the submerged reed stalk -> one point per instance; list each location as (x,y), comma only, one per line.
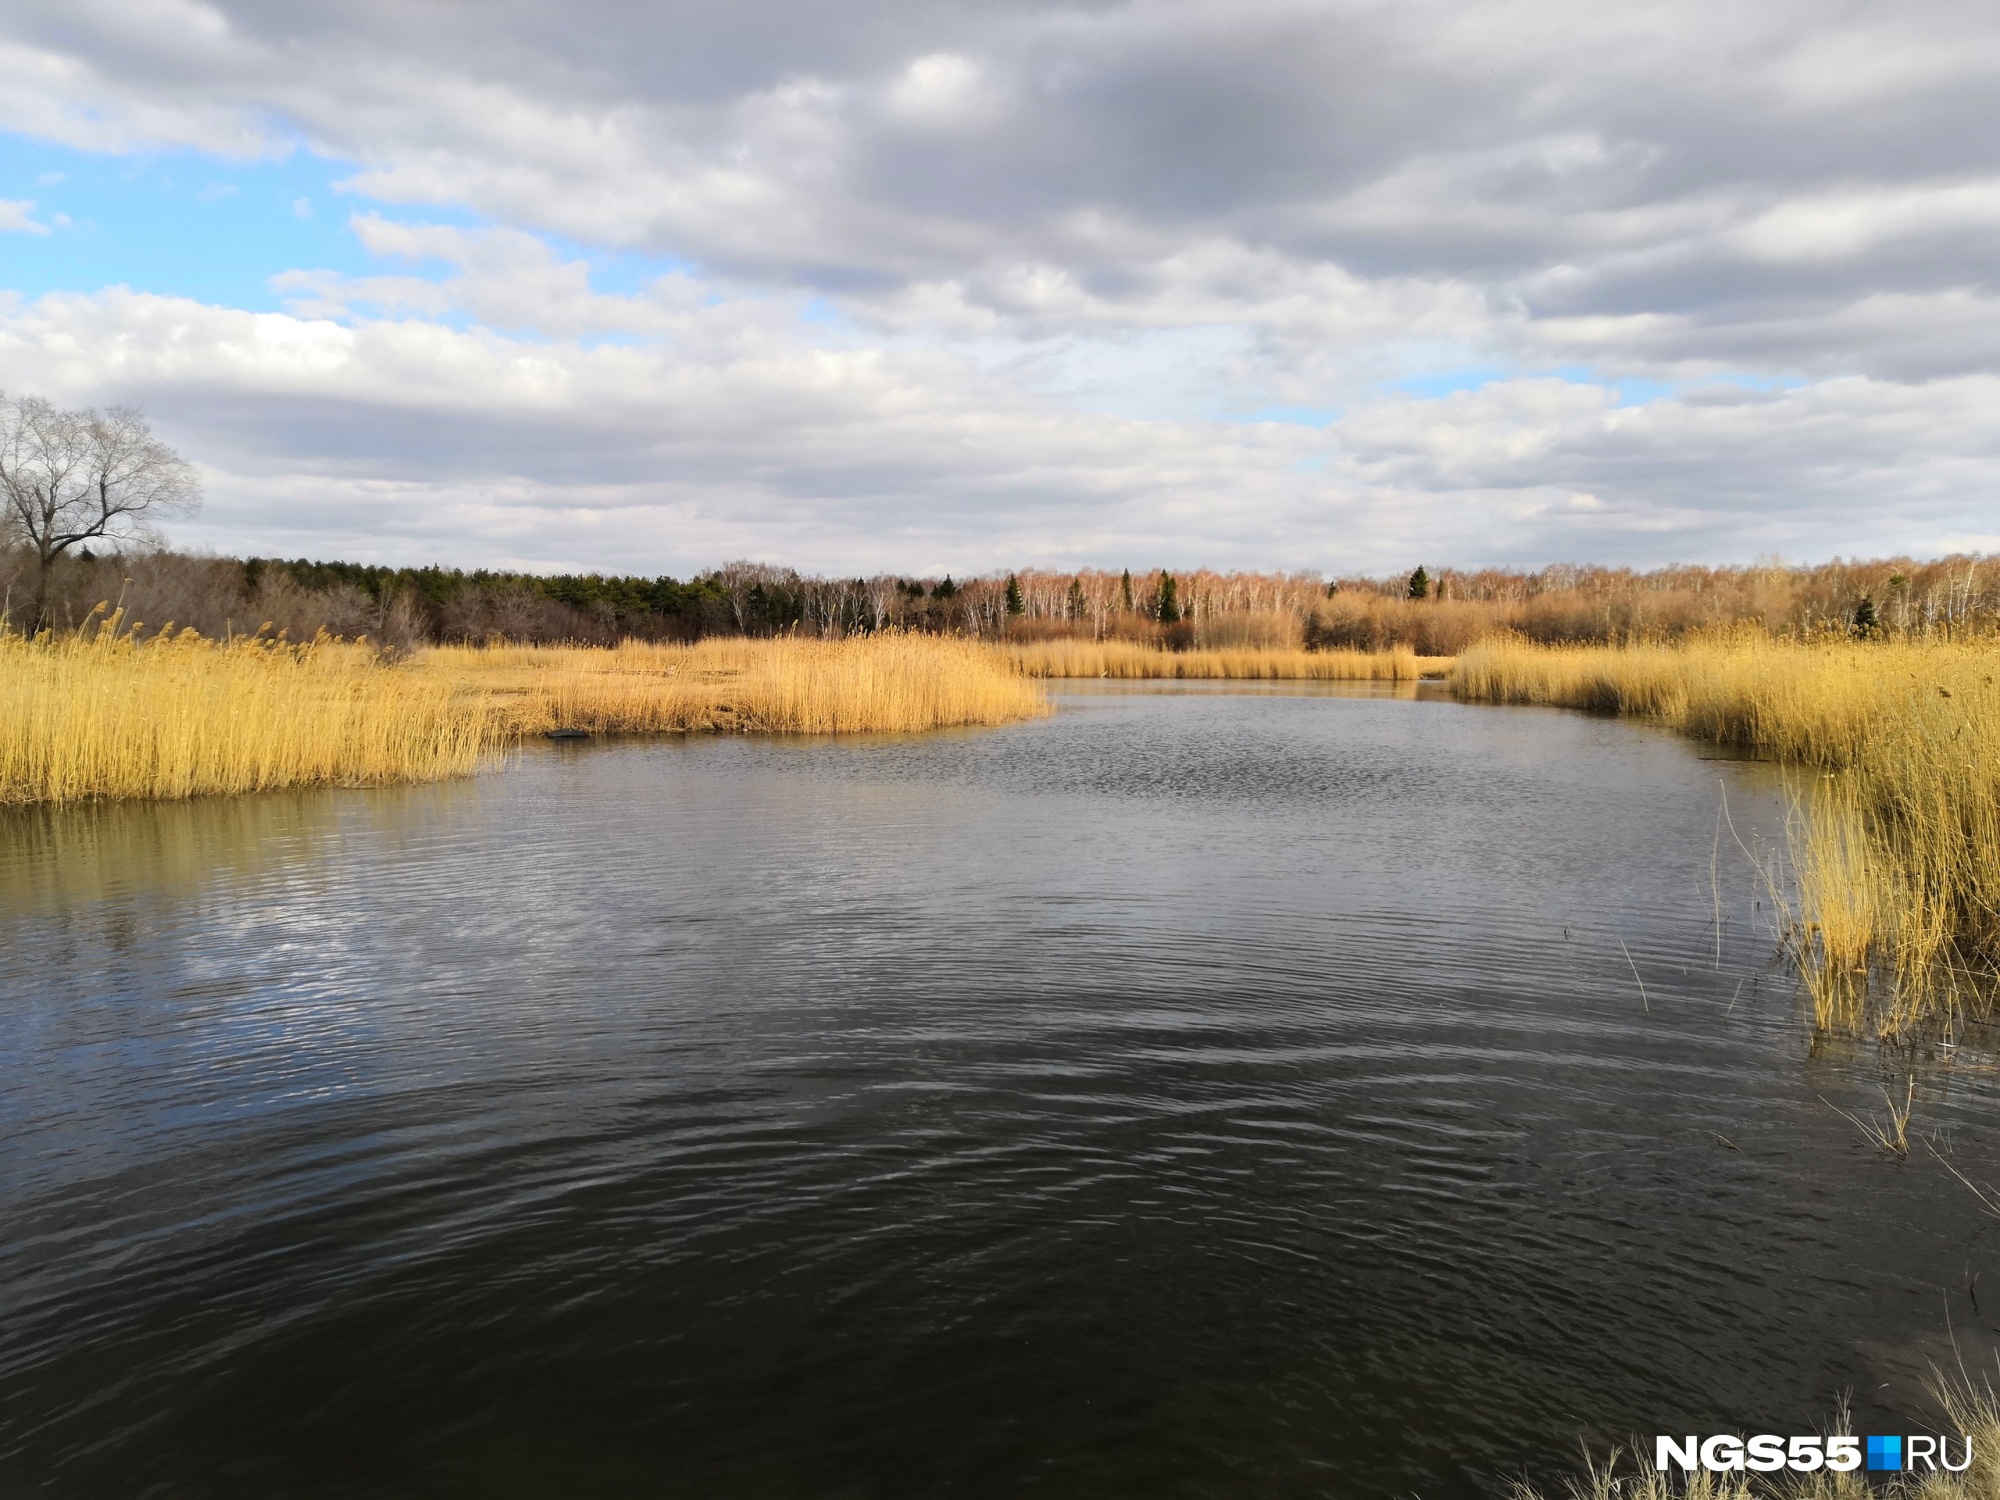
(1896,829)
(1129,659)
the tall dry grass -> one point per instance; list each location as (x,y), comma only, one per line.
(889,683)
(1896,827)
(1131,659)
(1967,1406)
(102,714)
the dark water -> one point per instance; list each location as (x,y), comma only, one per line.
(1194,1094)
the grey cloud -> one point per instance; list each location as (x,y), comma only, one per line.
(412,440)
(1484,140)
(1043,221)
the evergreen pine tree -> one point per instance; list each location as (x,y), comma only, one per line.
(1169,603)
(1866,619)
(1015,604)
(1420,584)
(1078,605)
(1125,590)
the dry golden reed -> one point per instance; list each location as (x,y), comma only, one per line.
(102,714)
(1896,828)
(1129,659)
(888,683)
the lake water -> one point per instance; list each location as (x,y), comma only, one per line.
(1196,1093)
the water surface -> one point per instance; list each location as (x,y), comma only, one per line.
(1198,1093)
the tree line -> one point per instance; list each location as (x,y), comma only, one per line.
(409,606)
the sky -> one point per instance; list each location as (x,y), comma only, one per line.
(929,285)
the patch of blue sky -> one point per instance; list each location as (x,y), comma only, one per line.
(1639,392)
(591,341)
(1437,384)
(1750,382)
(1630,390)
(613,273)
(177,223)
(1297,416)
(186,223)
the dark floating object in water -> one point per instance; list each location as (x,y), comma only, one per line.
(569,734)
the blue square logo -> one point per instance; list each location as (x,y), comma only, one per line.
(1885,1453)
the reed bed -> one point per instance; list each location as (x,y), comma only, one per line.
(1896,828)
(1130,659)
(103,714)
(889,683)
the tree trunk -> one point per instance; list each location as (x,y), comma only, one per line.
(45,562)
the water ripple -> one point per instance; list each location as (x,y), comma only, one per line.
(1192,1094)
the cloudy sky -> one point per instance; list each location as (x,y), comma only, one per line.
(930,284)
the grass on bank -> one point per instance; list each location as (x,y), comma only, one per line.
(1968,1409)
(1131,659)
(1896,832)
(103,714)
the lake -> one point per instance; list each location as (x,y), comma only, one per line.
(1201,1092)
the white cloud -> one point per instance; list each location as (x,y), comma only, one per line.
(503,278)
(945,91)
(1847,225)
(14,217)
(1053,250)
(738,433)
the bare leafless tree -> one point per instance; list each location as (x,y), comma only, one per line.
(68,477)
